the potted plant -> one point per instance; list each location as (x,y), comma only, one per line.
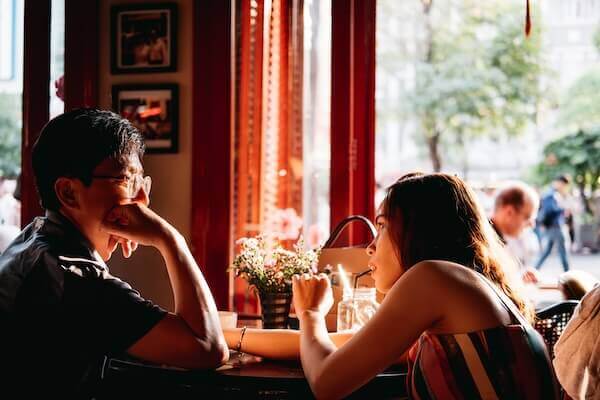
(269,268)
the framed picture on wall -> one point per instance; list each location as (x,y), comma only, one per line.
(153,109)
(144,38)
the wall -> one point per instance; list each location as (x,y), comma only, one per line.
(171,173)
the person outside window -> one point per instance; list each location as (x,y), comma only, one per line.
(552,218)
(514,213)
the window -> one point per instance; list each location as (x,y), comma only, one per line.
(57,57)
(316,119)
(460,89)
(11,88)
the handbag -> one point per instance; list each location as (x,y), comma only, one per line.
(353,259)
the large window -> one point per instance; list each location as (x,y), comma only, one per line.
(11,88)
(316,119)
(57,57)
(461,89)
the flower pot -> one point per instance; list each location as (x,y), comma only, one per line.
(275,309)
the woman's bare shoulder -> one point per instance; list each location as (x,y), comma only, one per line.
(445,275)
(443,270)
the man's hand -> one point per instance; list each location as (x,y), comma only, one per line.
(530,275)
(127,246)
(312,293)
(135,223)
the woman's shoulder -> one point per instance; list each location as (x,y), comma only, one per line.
(450,278)
(445,270)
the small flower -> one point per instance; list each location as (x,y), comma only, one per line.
(269,267)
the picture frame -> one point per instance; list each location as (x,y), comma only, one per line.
(143,38)
(154,110)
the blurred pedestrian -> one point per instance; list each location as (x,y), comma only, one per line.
(514,212)
(552,219)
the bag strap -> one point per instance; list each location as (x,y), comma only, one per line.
(344,223)
(508,303)
(536,343)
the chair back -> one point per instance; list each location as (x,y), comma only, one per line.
(552,320)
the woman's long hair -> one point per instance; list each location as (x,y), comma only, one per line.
(437,217)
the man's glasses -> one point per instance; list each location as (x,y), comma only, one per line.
(133,183)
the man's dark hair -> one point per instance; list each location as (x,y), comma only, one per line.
(563,179)
(74,143)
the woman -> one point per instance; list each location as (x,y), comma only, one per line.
(447,301)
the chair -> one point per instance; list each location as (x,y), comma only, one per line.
(574,284)
(552,320)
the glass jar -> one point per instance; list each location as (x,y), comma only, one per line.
(356,308)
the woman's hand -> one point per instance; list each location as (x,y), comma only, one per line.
(312,293)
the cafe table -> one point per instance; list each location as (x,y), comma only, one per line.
(243,377)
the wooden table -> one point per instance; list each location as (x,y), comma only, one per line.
(247,377)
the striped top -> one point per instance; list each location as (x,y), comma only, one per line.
(496,363)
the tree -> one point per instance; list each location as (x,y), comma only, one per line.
(478,76)
(579,108)
(578,155)
(10,136)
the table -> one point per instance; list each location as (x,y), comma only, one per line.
(247,377)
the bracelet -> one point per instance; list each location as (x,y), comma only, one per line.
(238,348)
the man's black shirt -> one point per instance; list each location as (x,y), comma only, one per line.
(61,312)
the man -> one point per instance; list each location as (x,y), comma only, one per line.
(515,210)
(552,218)
(61,311)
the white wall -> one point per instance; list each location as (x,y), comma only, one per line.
(171,173)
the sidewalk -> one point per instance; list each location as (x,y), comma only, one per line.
(552,267)
(550,271)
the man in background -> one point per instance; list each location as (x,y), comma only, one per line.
(514,211)
(552,219)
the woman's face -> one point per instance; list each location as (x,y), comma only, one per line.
(384,263)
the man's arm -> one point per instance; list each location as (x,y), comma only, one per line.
(191,337)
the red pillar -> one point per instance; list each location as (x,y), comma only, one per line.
(353,114)
(36,94)
(212,163)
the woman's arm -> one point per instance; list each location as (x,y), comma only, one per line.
(412,306)
(278,344)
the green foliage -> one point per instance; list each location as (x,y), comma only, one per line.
(10,135)
(580,107)
(577,155)
(481,76)
(597,38)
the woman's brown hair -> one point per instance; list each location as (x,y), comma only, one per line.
(437,217)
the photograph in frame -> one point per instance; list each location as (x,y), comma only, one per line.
(144,38)
(153,109)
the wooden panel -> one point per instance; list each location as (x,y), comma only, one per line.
(249,92)
(352,114)
(248,135)
(81,54)
(212,166)
(36,94)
